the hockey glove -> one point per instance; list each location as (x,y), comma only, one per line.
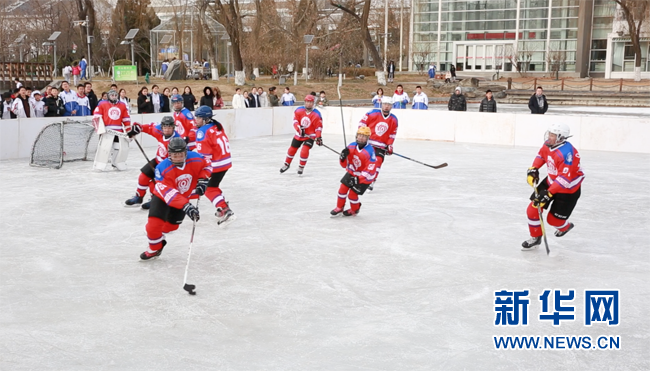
(533,176)
(135,130)
(302,132)
(191,211)
(344,154)
(542,200)
(319,141)
(353,182)
(201,186)
(389,149)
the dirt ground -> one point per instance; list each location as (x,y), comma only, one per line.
(352,88)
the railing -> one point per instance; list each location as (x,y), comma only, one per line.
(591,84)
(30,74)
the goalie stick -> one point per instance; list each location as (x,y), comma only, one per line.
(422,163)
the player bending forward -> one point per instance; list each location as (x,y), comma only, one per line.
(183,118)
(176,178)
(383,126)
(560,189)
(359,161)
(163,133)
(212,143)
(308,123)
(112,121)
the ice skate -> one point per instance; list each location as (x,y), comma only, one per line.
(135,200)
(147,205)
(284,168)
(146,255)
(300,169)
(351,212)
(371,186)
(560,233)
(224,216)
(531,244)
(336,212)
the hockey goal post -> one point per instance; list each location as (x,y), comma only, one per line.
(65,141)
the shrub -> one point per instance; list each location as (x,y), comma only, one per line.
(123,62)
(351,71)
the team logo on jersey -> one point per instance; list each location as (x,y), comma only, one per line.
(356,161)
(305,122)
(114,113)
(162,150)
(189,116)
(569,158)
(184,182)
(199,135)
(381,128)
(551,170)
(158,174)
(179,128)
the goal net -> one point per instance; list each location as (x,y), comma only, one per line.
(64,142)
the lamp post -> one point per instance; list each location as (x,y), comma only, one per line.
(89,40)
(51,41)
(307,39)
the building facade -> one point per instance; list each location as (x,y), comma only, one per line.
(581,37)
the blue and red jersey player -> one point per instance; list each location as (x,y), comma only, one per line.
(212,142)
(184,120)
(359,161)
(383,126)
(176,178)
(560,189)
(308,123)
(163,132)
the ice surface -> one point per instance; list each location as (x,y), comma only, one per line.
(406,285)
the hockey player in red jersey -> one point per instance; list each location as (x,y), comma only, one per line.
(184,120)
(176,177)
(111,118)
(163,133)
(359,160)
(212,143)
(560,189)
(308,123)
(383,126)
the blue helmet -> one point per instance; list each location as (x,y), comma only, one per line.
(203,112)
(177,98)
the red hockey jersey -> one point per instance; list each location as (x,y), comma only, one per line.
(361,163)
(156,132)
(312,122)
(114,115)
(563,167)
(174,185)
(213,144)
(383,129)
(184,122)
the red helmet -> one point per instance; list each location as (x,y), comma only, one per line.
(309,98)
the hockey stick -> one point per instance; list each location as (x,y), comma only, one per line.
(331,149)
(338,89)
(186,286)
(541,221)
(422,163)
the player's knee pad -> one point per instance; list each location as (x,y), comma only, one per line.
(103,153)
(169,227)
(555,221)
(304,152)
(532,212)
(121,154)
(154,227)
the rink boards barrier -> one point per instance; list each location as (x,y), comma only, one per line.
(602,133)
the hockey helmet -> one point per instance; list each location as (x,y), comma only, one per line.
(561,130)
(167,121)
(177,98)
(203,112)
(309,98)
(364,130)
(177,145)
(387,100)
(113,96)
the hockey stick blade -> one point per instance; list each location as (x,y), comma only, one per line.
(438,166)
(190,289)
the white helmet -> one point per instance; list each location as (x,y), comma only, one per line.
(386,100)
(561,130)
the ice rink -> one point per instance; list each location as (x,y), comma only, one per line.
(408,284)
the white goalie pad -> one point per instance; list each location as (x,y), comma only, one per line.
(110,153)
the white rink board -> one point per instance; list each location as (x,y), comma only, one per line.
(406,285)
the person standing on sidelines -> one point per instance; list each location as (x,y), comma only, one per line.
(212,142)
(420,100)
(488,104)
(308,123)
(358,159)
(537,103)
(82,65)
(560,189)
(376,100)
(287,99)
(457,101)
(400,98)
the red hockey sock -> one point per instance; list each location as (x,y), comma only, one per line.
(154,229)
(304,155)
(144,183)
(534,224)
(343,195)
(561,224)
(215,195)
(354,200)
(290,153)
(169,227)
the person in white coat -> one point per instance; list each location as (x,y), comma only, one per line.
(400,98)
(238,99)
(420,100)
